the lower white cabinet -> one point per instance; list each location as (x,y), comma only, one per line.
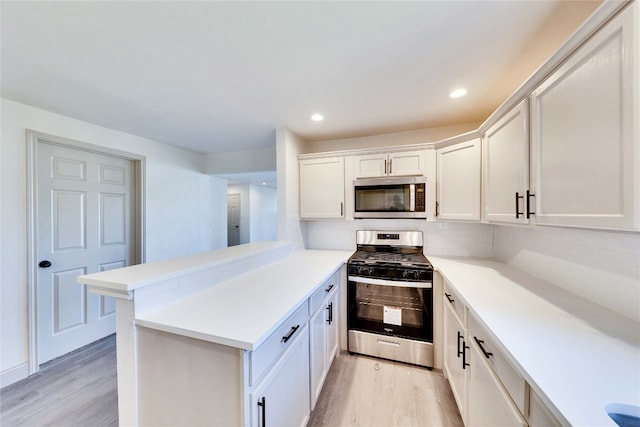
(282,397)
(455,351)
(323,340)
(489,404)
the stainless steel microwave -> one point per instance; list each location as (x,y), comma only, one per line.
(402,197)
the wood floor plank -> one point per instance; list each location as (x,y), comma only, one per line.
(78,389)
(364,391)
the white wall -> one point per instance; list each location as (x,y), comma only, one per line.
(444,239)
(258,212)
(290,228)
(182,209)
(420,136)
(264,213)
(601,266)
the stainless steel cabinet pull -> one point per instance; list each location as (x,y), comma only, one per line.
(485,352)
(518,197)
(290,334)
(263,404)
(529,196)
(330,314)
(465,347)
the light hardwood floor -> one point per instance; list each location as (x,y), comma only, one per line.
(364,391)
(80,389)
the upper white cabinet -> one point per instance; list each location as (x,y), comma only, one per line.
(585,133)
(506,162)
(322,188)
(392,164)
(458,181)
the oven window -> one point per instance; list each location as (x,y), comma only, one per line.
(392,198)
(391,310)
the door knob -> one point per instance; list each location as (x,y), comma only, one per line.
(44,264)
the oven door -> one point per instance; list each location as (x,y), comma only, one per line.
(385,307)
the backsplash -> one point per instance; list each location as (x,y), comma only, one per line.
(601,266)
(453,239)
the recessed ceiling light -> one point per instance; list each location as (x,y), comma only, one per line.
(458,93)
(317,117)
(264,183)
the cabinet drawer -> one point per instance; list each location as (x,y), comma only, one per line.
(453,300)
(269,351)
(321,294)
(512,381)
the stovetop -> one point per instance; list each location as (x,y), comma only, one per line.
(415,260)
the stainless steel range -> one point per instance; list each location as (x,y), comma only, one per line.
(390,297)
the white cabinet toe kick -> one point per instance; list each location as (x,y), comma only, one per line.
(393,348)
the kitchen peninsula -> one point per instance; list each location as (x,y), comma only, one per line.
(239,318)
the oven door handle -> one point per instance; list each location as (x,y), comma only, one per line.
(382,282)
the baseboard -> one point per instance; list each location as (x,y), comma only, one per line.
(13,375)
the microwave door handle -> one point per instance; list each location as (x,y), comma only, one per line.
(412,197)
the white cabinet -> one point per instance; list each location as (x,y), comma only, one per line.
(506,161)
(324,336)
(455,352)
(489,404)
(282,398)
(458,181)
(586,133)
(539,414)
(390,164)
(322,188)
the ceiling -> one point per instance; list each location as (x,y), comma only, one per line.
(220,76)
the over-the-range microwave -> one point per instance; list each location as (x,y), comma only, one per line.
(398,197)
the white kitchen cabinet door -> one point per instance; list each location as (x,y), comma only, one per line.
(585,133)
(324,340)
(322,188)
(454,349)
(318,353)
(506,177)
(403,163)
(333,331)
(539,414)
(282,397)
(458,181)
(406,163)
(489,404)
(371,165)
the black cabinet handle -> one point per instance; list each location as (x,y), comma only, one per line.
(465,347)
(485,352)
(451,300)
(44,264)
(290,334)
(518,197)
(459,336)
(529,196)
(385,167)
(263,404)
(437,208)
(330,313)
(390,163)
(341,208)
(329,288)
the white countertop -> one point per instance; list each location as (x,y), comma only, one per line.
(576,355)
(136,276)
(242,312)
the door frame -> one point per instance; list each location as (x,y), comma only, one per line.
(33,138)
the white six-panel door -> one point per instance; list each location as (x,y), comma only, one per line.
(84,215)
